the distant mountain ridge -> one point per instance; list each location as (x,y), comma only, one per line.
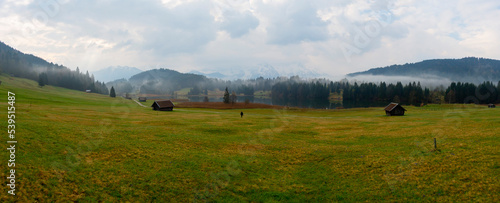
(261,70)
(158,81)
(115,72)
(210,75)
(469,69)
(174,77)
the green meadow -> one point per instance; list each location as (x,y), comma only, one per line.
(75,146)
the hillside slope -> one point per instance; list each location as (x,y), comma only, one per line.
(469,69)
(19,64)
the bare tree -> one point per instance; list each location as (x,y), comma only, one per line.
(233,97)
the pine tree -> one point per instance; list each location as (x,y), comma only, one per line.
(226,97)
(498,90)
(112,92)
(42,79)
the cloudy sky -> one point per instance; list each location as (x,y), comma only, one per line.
(331,37)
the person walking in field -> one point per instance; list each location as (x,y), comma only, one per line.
(241,114)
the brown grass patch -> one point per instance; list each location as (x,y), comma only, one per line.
(221,105)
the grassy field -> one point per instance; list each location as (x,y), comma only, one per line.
(74,146)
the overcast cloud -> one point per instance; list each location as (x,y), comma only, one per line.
(327,36)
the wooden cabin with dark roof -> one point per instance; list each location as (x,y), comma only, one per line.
(163,105)
(394,109)
(491,105)
(143,99)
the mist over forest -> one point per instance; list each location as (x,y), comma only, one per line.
(469,69)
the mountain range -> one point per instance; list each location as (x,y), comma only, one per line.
(247,72)
(14,62)
(261,70)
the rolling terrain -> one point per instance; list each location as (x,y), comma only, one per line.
(75,146)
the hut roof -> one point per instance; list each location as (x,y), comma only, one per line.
(391,106)
(163,104)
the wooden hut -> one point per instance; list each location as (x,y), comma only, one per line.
(491,105)
(143,99)
(394,109)
(163,105)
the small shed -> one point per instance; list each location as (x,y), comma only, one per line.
(163,105)
(143,99)
(491,105)
(394,109)
(88,91)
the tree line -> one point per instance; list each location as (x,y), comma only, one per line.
(72,80)
(299,91)
(414,94)
(411,94)
(484,93)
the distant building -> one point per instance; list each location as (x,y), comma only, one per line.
(163,105)
(143,99)
(491,105)
(394,109)
(88,91)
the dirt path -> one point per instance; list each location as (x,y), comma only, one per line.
(139,103)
